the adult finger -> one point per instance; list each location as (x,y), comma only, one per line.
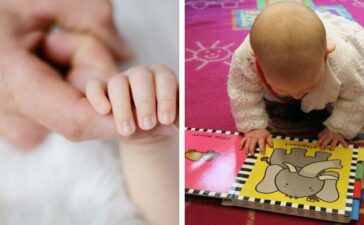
(95,92)
(114,41)
(86,56)
(53,102)
(94,18)
(119,94)
(142,86)
(166,92)
(21,131)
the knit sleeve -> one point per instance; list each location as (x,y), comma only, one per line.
(347,63)
(347,116)
(352,32)
(245,91)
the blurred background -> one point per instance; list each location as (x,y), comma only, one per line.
(151,29)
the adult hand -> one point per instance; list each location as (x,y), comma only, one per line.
(34,96)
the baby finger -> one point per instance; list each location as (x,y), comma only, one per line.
(252,145)
(166,92)
(325,142)
(334,144)
(262,145)
(119,94)
(143,90)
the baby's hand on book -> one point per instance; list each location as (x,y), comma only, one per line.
(328,137)
(147,95)
(254,138)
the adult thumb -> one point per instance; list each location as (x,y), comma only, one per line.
(96,18)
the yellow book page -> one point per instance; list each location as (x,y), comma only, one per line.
(361,154)
(319,178)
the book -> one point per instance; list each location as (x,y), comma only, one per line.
(294,177)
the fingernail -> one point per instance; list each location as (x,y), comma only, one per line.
(148,122)
(166,118)
(126,128)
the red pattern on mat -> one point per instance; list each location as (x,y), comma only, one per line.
(198,213)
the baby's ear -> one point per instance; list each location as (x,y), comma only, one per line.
(330,47)
(252,52)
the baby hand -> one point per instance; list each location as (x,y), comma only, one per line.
(256,137)
(148,93)
(326,137)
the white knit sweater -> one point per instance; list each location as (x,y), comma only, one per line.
(343,89)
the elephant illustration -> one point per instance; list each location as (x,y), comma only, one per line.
(297,175)
(194,155)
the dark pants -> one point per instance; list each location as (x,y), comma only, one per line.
(291,112)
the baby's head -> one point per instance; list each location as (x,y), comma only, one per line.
(289,41)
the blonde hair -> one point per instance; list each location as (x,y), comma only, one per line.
(290,37)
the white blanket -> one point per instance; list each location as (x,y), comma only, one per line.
(63,183)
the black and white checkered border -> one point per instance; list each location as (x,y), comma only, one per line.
(308,140)
(245,170)
(243,175)
(214,131)
(213,194)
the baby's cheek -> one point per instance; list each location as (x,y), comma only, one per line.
(279,92)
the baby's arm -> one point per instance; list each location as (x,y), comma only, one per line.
(149,155)
(347,117)
(150,168)
(347,60)
(246,98)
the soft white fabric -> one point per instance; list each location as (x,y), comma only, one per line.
(343,89)
(63,183)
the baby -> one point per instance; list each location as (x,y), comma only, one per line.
(149,147)
(294,57)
